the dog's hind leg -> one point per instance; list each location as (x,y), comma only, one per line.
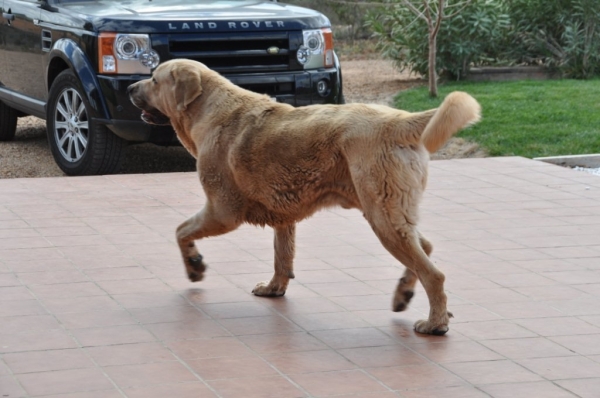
(284,263)
(202,225)
(405,246)
(403,241)
(406,286)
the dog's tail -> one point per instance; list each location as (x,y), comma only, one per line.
(457,111)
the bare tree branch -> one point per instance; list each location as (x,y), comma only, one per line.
(414,9)
(439,18)
(455,13)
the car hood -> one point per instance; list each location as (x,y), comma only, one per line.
(193,15)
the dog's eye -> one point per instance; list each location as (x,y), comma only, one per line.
(154,80)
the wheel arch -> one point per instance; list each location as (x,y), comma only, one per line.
(66,54)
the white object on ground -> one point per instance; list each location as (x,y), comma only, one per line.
(595,171)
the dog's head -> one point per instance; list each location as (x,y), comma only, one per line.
(174,85)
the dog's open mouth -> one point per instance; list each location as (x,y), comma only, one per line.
(154,116)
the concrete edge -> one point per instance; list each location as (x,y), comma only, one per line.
(589,161)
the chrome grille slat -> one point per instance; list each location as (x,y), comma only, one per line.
(237,53)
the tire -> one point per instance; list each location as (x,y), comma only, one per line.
(8,122)
(80,146)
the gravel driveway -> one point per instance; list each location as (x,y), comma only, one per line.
(371,81)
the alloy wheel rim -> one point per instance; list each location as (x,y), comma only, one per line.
(71,125)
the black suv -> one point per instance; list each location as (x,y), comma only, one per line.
(71,61)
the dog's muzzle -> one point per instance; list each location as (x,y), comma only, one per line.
(149,115)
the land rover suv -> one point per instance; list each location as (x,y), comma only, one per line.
(71,61)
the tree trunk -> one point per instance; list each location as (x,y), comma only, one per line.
(433,90)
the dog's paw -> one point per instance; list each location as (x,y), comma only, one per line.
(401,300)
(435,328)
(266,289)
(195,268)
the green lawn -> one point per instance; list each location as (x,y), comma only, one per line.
(526,118)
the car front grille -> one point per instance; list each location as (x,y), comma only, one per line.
(244,52)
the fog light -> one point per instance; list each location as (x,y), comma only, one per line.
(150,59)
(303,55)
(109,63)
(322,88)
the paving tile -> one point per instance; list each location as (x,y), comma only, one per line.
(464,351)
(282,342)
(14,293)
(309,362)
(482,296)
(81,304)
(201,328)
(558,326)
(526,390)
(582,305)
(334,289)
(337,383)
(129,354)
(12,325)
(67,290)
(559,368)
(150,300)
(537,347)
(259,325)
(548,293)
(46,361)
(209,348)
(383,356)
(55,339)
(448,392)
(231,367)
(585,388)
(492,330)
(236,310)
(472,313)
(179,390)
(523,279)
(353,338)
(92,319)
(257,387)
(306,305)
(11,387)
(22,308)
(371,302)
(93,337)
(492,372)
(146,374)
(52,277)
(328,321)
(64,381)
(427,376)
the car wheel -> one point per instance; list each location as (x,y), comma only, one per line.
(80,145)
(8,122)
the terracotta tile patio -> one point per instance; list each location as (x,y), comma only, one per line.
(94,302)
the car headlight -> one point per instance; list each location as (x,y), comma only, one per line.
(126,53)
(316,50)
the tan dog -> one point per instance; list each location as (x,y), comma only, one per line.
(268,163)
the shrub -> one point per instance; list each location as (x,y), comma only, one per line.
(564,34)
(473,37)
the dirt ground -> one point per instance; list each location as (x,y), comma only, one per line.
(370,81)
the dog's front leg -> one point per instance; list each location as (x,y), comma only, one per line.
(201,225)
(284,263)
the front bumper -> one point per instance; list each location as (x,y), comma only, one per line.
(294,88)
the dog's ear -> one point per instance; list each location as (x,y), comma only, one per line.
(188,85)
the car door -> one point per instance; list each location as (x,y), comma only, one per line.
(21,67)
(4,30)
